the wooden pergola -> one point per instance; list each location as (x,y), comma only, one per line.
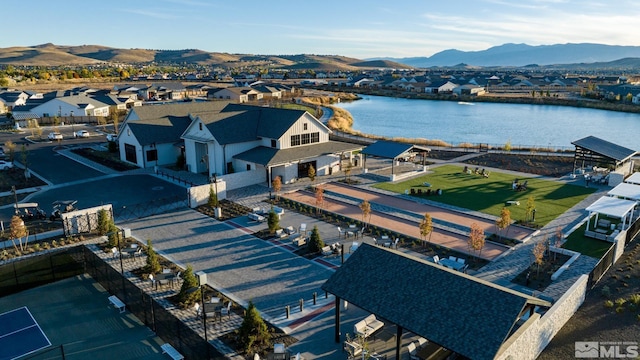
(595,151)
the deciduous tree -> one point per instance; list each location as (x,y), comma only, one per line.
(538,254)
(476,238)
(426,227)
(277,185)
(528,211)
(319,198)
(365,207)
(17,232)
(311,173)
(504,220)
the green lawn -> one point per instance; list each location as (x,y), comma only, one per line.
(576,241)
(489,195)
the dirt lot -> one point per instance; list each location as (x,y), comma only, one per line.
(554,166)
(596,322)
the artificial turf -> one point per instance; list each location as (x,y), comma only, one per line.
(489,195)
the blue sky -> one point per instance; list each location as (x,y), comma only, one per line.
(360,29)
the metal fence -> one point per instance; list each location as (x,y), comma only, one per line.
(633,231)
(40,270)
(606,261)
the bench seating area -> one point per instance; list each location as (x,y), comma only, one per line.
(298,240)
(171,351)
(117,303)
(367,326)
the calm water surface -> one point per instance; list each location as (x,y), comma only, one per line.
(492,123)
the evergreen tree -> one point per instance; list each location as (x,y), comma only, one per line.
(253,333)
(104,221)
(153,263)
(213,198)
(185,296)
(273,221)
(114,234)
(315,241)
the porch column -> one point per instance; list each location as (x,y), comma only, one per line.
(269,177)
(337,325)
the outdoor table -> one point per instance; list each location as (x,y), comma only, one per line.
(212,310)
(451,264)
(164,276)
(129,251)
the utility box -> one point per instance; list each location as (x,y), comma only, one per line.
(126,232)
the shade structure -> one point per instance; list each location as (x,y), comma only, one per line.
(626,191)
(633,179)
(612,206)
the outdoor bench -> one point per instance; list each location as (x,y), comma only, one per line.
(117,303)
(171,351)
(367,326)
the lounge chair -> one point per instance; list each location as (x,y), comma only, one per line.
(341,232)
(226,310)
(413,351)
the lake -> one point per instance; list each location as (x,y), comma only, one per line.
(491,123)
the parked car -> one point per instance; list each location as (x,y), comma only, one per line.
(81,134)
(55,136)
(4,165)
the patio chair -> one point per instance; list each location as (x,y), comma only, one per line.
(138,253)
(461,260)
(303,229)
(198,309)
(453,258)
(421,342)
(178,277)
(153,280)
(395,243)
(413,352)
(115,252)
(436,259)
(341,232)
(226,310)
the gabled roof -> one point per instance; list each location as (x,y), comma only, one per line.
(82,101)
(465,314)
(612,206)
(391,149)
(163,130)
(267,156)
(179,109)
(605,148)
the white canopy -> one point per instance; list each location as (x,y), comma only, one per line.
(612,206)
(634,178)
(626,191)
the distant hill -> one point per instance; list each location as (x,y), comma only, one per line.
(381,64)
(523,54)
(56,55)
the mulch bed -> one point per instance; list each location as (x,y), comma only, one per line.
(15,177)
(230,210)
(539,279)
(445,154)
(554,166)
(105,158)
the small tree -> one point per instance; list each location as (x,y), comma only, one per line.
(559,235)
(538,254)
(476,238)
(528,211)
(273,221)
(153,263)
(426,227)
(277,185)
(18,231)
(187,296)
(104,221)
(365,207)
(114,234)
(347,171)
(213,197)
(504,220)
(315,241)
(319,198)
(11,147)
(311,173)
(253,333)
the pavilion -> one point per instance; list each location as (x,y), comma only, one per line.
(466,315)
(633,179)
(613,207)
(598,152)
(394,151)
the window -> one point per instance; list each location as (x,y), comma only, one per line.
(273,143)
(248,167)
(304,126)
(200,126)
(306,138)
(152,155)
(130,153)
(295,140)
(315,137)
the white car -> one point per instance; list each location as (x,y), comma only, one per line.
(81,134)
(55,136)
(4,165)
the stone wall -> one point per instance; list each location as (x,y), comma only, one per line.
(531,338)
(199,195)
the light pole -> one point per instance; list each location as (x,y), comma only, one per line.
(204,314)
(73,123)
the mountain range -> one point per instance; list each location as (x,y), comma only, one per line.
(565,56)
(518,55)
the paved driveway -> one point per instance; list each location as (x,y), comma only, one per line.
(57,168)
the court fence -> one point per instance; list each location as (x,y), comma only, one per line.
(67,262)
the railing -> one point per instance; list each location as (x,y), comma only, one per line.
(633,231)
(175,178)
(602,266)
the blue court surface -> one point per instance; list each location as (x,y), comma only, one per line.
(20,334)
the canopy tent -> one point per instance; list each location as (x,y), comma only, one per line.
(626,191)
(633,179)
(613,207)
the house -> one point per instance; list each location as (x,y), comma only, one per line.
(268,92)
(10,99)
(52,105)
(231,140)
(238,94)
(440,87)
(469,89)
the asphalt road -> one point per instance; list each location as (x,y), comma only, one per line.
(56,168)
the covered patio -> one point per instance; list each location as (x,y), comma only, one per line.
(456,313)
(633,179)
(612,207)
(397,152)
(608,161)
